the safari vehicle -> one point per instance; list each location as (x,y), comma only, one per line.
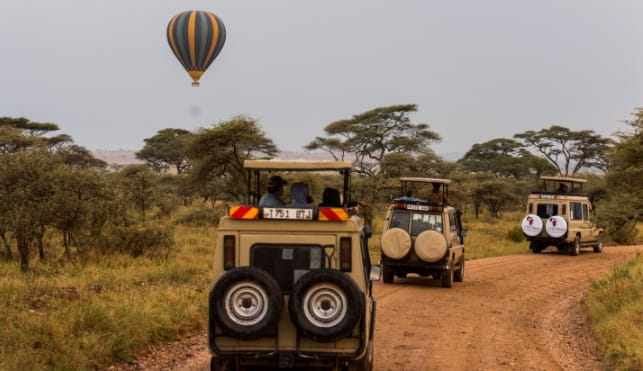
(292,285)
(561,217)
(423,237)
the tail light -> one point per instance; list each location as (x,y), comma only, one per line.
(345,253)
(228,252)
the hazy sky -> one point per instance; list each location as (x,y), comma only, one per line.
(478,70)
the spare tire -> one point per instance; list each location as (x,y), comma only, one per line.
(430,246)
(395,243)
(556,226)
(532,225)
(246,303)
(325,305)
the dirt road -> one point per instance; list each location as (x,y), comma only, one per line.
(519,312)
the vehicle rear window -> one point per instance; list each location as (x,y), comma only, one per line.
(546,210)
(416,223)
(575,211)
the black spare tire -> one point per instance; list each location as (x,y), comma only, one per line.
(325,305)
(246,303)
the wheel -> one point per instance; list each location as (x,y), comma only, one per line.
(598,248)
(459,274)
(535,247)
(246,303)
(219,364)
(574,248)
(364,364)
(325,305)
(447,278)
(387,274)
(430,246)
(396,243)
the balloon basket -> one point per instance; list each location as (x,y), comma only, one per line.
(195,84)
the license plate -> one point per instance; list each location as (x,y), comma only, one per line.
(287,213)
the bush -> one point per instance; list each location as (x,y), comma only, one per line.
(151,239)
(201,216)
(515,234)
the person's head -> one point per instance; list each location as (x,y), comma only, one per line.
(276,185)
(330,197)
(436,187)
(299,193)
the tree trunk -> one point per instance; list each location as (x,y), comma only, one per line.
(7,246)
(23,249)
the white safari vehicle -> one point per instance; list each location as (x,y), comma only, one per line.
(423,236)
(292,285)
(560,215)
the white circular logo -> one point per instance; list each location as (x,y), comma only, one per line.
(532,225)
(556,226)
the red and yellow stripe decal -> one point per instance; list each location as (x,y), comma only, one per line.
(333,214)
(243,212)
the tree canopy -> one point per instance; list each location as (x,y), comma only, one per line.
(369,136)
(167,149)
(568,150)
(218,153)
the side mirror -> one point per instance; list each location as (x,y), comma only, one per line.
(375,273)
(368,233)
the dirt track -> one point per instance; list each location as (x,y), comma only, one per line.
(519,312)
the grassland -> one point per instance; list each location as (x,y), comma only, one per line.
(614,305)
(90,312)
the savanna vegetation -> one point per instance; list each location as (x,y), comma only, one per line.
(96,264)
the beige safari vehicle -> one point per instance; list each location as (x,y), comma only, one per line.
(560,215)
(423,237)
(292,285)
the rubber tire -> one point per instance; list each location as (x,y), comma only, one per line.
(388,275)
(430,246)
(574,247)
(396,243)
(365,364)
(354,305)
(458,275)
(258,277)
(535,247)
(446,278)
(598,248)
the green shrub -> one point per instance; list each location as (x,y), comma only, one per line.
(515,234)
(151,239)
(200,216)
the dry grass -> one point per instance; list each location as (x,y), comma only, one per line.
(614,305)
(76,316)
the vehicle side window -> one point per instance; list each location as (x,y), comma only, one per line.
(575,211)
(546,210)
(400,220)
(452,226)
(585,212)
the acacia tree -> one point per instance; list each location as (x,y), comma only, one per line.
(567,150)
(503,158)
(367,137)
(622,209)
(218,153)
(167,149)
(26,179)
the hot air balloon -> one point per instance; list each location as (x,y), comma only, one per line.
(196,38)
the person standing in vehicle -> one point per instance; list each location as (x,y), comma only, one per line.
(437,196)
(272,198)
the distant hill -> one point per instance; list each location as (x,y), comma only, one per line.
(125,157)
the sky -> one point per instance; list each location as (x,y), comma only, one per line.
(477,70)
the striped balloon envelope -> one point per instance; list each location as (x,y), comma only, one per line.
(196,38)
